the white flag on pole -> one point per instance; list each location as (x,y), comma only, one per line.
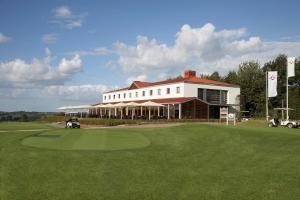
(290,66)
(272,84)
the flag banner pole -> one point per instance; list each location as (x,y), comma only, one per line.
(271,88)
(287,96)
(290,72)
(267,106)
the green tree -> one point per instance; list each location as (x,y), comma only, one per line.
(232,78)
(252,82)
(215,76)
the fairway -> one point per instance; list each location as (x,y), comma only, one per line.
(68,139)
(192,161)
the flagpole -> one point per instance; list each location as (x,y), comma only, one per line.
(287,94)
(267,105)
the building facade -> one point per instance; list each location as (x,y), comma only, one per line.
(184,97)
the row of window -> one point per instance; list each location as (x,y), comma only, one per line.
(118,96)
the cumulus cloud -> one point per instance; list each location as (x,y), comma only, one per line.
(49,38)
(65,17)
(141,77)
(70,66)
(39,72)
(77,92)
(4,38)
(203,48)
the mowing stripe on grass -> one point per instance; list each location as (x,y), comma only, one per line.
(65,139)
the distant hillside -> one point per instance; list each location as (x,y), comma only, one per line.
(23,116)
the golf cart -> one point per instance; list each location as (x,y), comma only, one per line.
(72,123)
(286,123)
(290,123)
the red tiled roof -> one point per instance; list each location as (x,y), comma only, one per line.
(140,84)
(162,101)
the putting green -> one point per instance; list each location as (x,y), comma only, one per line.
(70,139)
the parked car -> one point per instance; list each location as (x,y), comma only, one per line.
(72,123)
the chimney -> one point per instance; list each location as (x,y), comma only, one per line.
(189,73)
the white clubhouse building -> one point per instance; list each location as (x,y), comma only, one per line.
(187,97)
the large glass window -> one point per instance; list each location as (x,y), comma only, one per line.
(144,93)
(130,95)
(223,97)
(158,91)
(201,94)
(136,94)
(151,92)
(119,96)
(124,95)
(213,96)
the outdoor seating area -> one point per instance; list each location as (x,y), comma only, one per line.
(132,110)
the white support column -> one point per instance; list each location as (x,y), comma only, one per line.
(179,111)
(109,112)
(132,113)
(101,113)
(115,112)
(158,109)
(149,113)
(141,110)
(121,112)
(168,111)
(126,111)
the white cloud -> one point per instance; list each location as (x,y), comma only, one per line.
(39,72)
(76,92)
(99,51)
(203,48)
(62,11)
(70,66)
(49,38)
(141,77)
(4,38)
(65,17)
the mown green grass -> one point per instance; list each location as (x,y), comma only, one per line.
(193,161)
(71,139)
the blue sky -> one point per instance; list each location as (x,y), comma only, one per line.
(55,53)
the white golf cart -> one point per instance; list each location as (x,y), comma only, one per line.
(283,122)
(72,123)
(286,123)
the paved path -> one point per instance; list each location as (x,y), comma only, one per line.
(24,130)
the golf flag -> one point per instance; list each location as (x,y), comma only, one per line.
(290,66)
(272,84)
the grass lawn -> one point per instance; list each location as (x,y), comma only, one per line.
(193,161)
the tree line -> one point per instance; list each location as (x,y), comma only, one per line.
(251,76)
